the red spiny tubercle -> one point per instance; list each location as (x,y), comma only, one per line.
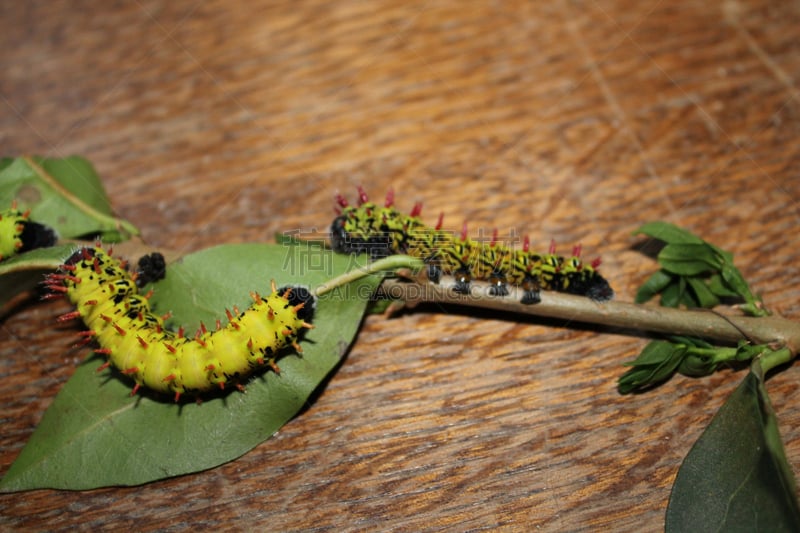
(69,316)
(199,340)
(362,196)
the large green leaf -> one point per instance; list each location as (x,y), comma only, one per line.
(95,434)
(736,477)
(65,194)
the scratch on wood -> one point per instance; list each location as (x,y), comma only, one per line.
(731,10)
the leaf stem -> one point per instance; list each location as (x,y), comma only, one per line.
(382,266)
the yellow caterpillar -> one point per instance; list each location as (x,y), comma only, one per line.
(135,341)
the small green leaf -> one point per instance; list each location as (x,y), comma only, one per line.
(705,298)
(95,434)
(654,285)
(669,233)
(734,279)
(697,364)
(673,294)
(736,477)
(656,352)
(65,194)
(657,363)
(688,259)
(718,286)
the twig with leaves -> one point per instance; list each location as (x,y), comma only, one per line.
(740,458)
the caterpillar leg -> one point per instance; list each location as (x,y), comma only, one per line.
(498,285)
(434,272)
(530,297)
(463,278)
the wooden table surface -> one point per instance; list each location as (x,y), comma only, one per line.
(217,122)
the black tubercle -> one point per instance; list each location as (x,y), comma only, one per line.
(35,235)
(300,295)
(151,268)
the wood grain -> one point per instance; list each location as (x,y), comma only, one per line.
(215,122)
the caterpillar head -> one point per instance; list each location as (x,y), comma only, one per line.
(300,295)
(378,230)
(590,284)
(352,233)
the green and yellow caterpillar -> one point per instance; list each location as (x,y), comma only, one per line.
(382,230)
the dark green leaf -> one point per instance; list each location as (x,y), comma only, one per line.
(95,434)
(656,352)
(705,298)
(733,279)
(654,285)
(673,294)
(688,259)
(736,477)
(718,286)
(657,363)
(669,233)
(697,364)
(726,256)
